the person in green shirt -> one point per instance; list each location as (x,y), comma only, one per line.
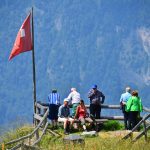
(134,107)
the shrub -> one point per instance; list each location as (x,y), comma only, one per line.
(112,125)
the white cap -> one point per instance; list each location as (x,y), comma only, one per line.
(128,89)
(73,89)
(66,100)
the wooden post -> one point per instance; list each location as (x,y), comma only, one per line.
(145,131)
(45,121)
(38,111)
(33,67)
(29,141)
(3,146)
(37,135)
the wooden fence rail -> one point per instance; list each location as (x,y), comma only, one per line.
(106,106)
(144,132)
(41,119)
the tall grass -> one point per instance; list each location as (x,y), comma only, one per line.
(15,133)
(106,142)
(94,143)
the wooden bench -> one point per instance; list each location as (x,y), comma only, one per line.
(97,122)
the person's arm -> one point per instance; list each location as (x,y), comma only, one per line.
(86,112)
(91,93)
(69,97)
(121,99)
(49,99)
(59,111)
(128,104)
(103,98)
(140,104)
(58,100)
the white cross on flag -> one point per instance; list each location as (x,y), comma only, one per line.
(22,33)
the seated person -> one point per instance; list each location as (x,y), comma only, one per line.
(81,114)
(64,116)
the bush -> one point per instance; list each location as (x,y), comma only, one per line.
(112,125)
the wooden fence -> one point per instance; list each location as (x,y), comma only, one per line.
(40,117)
(34,137)
(146,126)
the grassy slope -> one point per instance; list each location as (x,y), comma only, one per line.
(109,140)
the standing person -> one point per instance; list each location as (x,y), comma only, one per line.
(54,102)
(64,116)
(134,107)
(74,97)
(81,114)
(123,100)
(96,99)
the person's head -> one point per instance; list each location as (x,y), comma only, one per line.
(94,87)
(135,93)
(73,89)
(54,91)
(128,89)
(66,101)
(81,102)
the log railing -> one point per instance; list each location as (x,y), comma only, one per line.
(41,121)
(144,132)
(40,117)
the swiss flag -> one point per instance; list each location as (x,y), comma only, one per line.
(23,40)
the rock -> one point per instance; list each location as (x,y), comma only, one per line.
(90,133)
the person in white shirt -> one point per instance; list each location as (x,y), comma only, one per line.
(123,100)
(74,97)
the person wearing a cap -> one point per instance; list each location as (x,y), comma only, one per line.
(64,116)
(54,102)
(74,98)
(96,99)
(123,100)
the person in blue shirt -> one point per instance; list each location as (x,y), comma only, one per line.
(123,100)
(54,102)
(64,116)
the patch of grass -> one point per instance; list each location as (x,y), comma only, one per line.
(14,134)
(100,142)
(94,143)
(112,125)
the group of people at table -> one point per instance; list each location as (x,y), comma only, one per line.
(130,103)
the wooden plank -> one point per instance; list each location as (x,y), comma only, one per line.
(107,106)
(44,130)
(146,109)
(101,120)
(38,117)
(33,132)
(96,120)
(141,134)
(53,133)
(16,147)
(113,117)
(41,106)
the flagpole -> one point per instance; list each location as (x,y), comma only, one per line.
(33,62)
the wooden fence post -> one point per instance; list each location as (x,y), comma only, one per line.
(38,111)
(45,121)
(3,146)
(29,141)
(37,135)
(145,131)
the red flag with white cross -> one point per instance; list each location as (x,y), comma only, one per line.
(23,40)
